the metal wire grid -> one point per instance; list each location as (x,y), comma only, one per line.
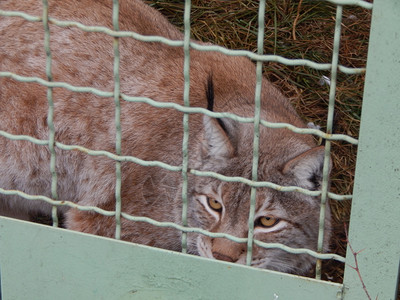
(334,67)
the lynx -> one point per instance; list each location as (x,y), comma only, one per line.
(149,69)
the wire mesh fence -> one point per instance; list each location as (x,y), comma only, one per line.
(186,44)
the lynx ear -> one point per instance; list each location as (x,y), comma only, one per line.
(307,168)
(216,142)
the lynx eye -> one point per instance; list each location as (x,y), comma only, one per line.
(267,221)
(214,204)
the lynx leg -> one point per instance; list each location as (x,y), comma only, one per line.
(90,222)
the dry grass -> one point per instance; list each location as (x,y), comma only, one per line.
(298,29)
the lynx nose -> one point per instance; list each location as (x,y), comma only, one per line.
(223,257)
(226,250)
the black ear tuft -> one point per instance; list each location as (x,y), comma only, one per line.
(210,99)
(210,93)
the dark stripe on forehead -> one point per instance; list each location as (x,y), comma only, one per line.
(270,204)
(299,227)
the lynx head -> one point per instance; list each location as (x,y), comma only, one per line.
(289,218)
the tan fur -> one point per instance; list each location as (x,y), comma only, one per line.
(152,70)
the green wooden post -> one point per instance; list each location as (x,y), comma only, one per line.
(375,215)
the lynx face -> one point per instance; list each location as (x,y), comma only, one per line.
(273,223)
(289,218)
